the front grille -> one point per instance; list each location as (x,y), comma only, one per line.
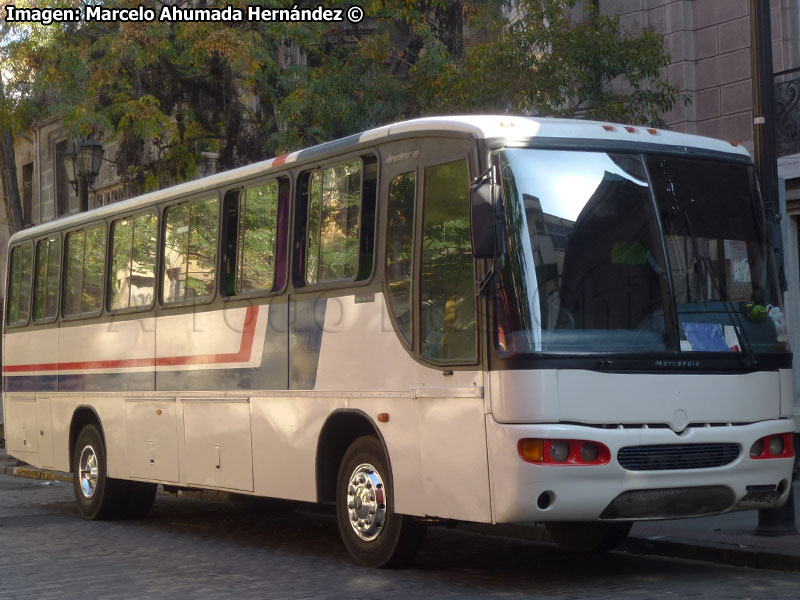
(670,502)
(677,456)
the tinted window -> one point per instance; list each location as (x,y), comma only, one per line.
(19,288)
(84,266)
(48,265)
(333,223)
(582,268)
(258,224)
(190,250)
(448,278)
(132,280)
(399,249)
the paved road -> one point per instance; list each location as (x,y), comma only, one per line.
(195,549)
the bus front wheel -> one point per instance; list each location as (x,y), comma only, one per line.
(594,536)
(373,533)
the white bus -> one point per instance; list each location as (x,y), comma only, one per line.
(486,319)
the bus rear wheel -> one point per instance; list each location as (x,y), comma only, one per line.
(99,496)
(590,537)
(373,533)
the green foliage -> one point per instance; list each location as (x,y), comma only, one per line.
(166,91)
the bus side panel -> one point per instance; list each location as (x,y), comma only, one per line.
(110,354)
(435,436)
(30,361)
(285,435)
(437,448)
(110,410)
(238,347)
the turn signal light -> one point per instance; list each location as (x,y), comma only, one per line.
(563,452)
(773,446)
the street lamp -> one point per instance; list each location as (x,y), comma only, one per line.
(82,166)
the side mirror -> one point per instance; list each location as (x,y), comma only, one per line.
(481,216)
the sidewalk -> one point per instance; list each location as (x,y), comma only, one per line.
(728,539)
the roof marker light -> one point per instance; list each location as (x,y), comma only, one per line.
(735,144)
(652,131)
(630,129)
(609,128)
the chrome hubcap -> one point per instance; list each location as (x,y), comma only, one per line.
(87,466)
(366,502)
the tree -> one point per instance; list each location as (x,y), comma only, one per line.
(168,90)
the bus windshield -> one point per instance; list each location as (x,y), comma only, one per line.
(603,251)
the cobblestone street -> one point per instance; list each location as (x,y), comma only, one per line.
(190,548)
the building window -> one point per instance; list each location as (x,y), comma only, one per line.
(61,184)
(27,194)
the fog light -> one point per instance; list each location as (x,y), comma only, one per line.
(757,448)
(775,445)
(589,452)
(559,451)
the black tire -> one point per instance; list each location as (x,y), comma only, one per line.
(141,496)
(386,539)
(590,537)
(99,496)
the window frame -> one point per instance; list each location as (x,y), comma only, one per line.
(65,236)
(163,208)
(333,284)
(414,335)
(153,210)
(284,182)
(34,288)
(28,320)
(419,249)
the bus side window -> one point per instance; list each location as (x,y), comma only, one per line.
(85,263)
(133,252)
(399,250)
(258,228)
(48,264)
(19,288)
(334,212)
(447,287)
(190,250)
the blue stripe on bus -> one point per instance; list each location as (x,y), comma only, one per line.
(299,337)
(32,383)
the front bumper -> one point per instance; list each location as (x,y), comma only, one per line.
(588,493)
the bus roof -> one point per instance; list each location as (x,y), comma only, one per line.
(481,126)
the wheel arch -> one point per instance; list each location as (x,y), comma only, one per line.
(340,430)
(83,416)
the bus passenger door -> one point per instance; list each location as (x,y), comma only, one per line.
(432,302)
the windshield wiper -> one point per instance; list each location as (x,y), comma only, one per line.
(709,272)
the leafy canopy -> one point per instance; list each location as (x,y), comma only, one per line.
(167,91)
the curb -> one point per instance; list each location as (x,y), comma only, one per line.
(670,548)
(736,557)
(31,473)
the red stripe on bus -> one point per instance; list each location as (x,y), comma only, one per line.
(242,355)
(280,160)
